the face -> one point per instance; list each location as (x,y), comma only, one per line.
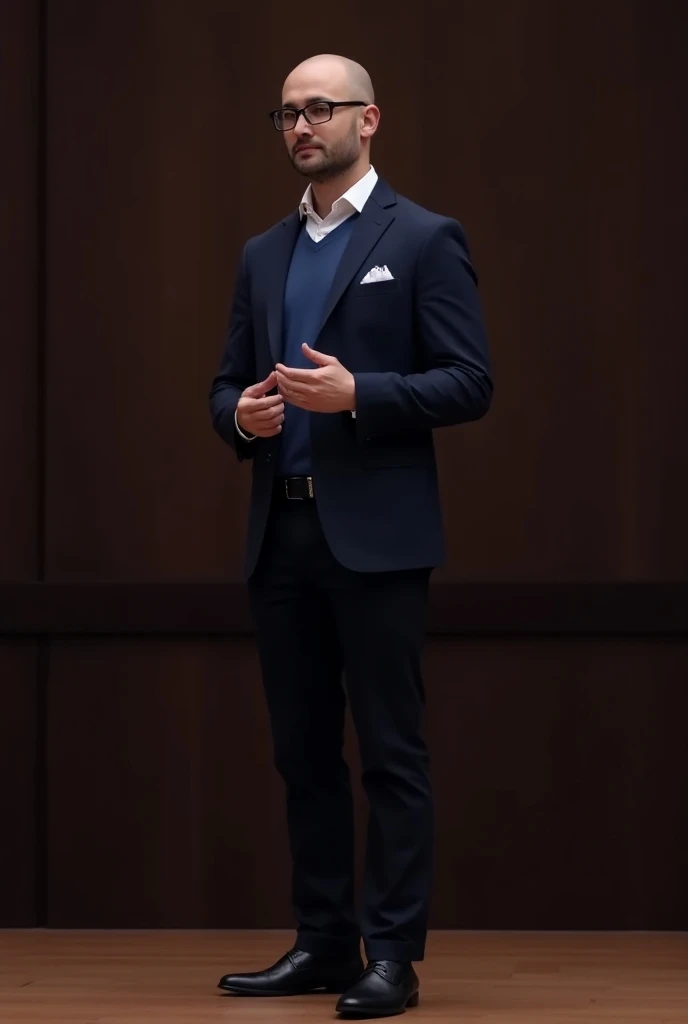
(323,151)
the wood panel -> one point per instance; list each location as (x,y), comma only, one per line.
(542,475)
(19,278)
(533,123)
(661,428)
(560,769)
(562,781)
(168,824)
(569,185)
(20,767)
(145,196)
(20,179)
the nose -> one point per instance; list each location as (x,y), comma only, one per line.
(302,126)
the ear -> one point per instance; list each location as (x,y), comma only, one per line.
(371,120)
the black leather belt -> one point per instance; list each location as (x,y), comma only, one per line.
(297,488)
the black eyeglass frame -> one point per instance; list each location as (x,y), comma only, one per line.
(303,110)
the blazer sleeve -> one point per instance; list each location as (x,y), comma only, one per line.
(237,367)
(455,383)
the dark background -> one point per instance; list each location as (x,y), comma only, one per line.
(136,784)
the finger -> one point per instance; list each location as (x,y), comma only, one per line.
(260,389)
(292,372)
(321,358)
(264,428)
(299,376)
(290,394)
(268,402)
(298,387)
(304,401)
(255,412)
(268,415)
(248,405)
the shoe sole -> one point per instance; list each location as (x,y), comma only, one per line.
(374,1011)
(337,990)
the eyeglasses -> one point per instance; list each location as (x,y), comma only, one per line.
(285,118)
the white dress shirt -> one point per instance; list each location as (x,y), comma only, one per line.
(353,201)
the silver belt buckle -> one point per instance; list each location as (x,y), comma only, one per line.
(309,480)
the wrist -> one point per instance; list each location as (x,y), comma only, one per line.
(352,395)
(246,434)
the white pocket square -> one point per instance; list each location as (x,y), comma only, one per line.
(377,274)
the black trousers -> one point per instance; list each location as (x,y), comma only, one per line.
(327,634)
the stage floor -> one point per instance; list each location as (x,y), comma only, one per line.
(146,977)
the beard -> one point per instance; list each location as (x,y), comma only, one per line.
(331,161)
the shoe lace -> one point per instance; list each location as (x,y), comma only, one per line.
(376,967)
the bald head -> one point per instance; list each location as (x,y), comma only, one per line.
(330,137)
(343,73)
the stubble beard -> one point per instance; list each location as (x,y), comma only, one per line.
(332,162)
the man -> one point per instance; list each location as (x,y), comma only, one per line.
(355,331)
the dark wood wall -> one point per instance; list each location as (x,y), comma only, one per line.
(20,500)
(136,784)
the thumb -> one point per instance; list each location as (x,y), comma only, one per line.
(262,387)
(321,358)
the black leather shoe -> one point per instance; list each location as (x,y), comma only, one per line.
(385,989)
(296,973)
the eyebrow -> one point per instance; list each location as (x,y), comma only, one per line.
(311,99)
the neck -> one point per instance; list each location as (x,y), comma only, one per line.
(326,193)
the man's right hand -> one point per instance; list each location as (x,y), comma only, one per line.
(259,413)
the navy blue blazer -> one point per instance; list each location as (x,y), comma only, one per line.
(417,348)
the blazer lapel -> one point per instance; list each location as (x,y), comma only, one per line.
(372,222)
(279,268)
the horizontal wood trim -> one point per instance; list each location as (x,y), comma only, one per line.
(565,609)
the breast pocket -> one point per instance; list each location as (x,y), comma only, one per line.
(376,289)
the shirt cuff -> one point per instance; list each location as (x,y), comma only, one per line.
(246,437)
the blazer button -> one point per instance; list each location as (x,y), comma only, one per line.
(268,458)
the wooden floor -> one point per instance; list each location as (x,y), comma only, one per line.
(75,977)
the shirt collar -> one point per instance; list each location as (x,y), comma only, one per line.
(357,196)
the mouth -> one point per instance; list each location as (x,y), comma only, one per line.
(305,149)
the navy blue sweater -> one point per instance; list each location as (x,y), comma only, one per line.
(311,272)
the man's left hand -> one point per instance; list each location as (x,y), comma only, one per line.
(329,388)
